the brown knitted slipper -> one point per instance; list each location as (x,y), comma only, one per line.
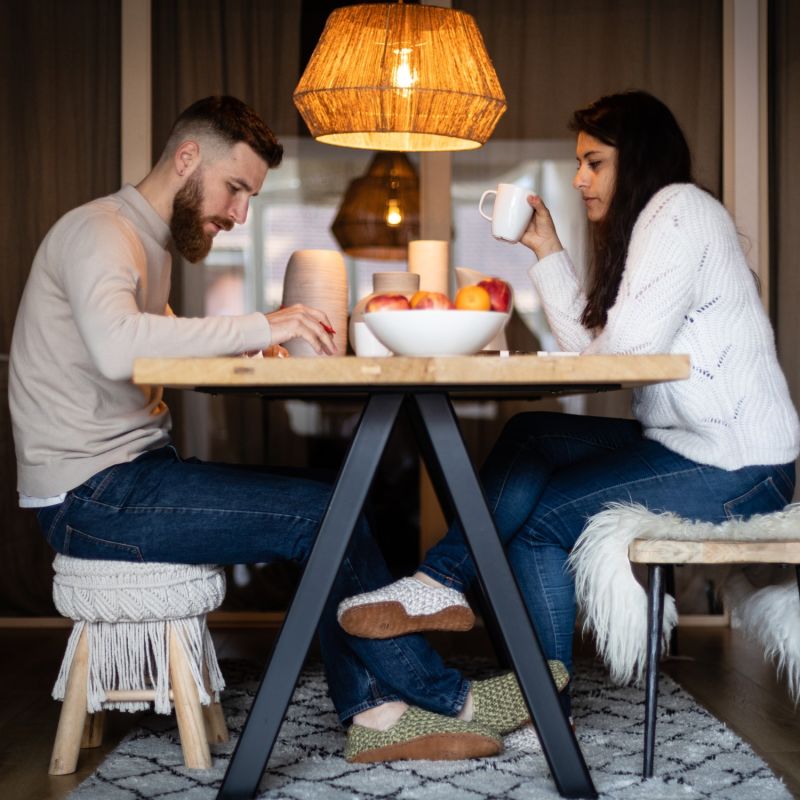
(420,734)
(499,704)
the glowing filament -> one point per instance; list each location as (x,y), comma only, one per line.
(403,75)
(394,214)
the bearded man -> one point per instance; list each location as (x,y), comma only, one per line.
(94,457)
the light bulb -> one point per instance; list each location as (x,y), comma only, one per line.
(393,215)
(403,75)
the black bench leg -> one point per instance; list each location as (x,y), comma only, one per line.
(669,587)
(655,623)
(797,572)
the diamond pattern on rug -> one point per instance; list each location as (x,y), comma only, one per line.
(696,755)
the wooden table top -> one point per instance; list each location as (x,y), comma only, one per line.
(514,372)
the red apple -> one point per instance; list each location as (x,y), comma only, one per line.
(388,302)
(499,293)
(428,300)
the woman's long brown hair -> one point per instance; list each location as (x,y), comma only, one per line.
(651,153)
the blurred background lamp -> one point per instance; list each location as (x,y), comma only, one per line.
(391,76)
(379,213)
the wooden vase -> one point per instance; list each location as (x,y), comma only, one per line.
(318,279)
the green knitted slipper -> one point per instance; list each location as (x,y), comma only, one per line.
(420,734)
(499,704)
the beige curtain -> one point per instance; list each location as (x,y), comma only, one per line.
(247,48)
(785,199)
(553,56)
(59,138)
(59,147)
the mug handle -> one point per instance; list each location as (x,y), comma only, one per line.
(480,204)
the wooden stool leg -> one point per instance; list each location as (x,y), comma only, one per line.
(655,622)
(216,729)
(93,730)
(73,713)
(194,744)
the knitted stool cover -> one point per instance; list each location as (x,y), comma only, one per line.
(614,604)
(127,609)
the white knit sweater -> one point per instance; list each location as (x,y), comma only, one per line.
(686,288)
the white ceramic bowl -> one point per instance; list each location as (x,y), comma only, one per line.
(435,332)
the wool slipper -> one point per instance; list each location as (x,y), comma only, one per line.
(420,734)
(499,704)
(405,606)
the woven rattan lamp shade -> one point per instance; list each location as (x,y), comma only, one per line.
(390,76)
(364,226)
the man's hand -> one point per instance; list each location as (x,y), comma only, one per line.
(303,322)
(540,234)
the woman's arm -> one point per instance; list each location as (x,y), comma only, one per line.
(555,279)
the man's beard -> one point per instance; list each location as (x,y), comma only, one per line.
(186,226)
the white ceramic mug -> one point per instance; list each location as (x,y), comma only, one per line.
(511,213)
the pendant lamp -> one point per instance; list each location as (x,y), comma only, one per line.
(379,214)
(391,76)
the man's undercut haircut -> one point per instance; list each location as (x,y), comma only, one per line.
(226,120)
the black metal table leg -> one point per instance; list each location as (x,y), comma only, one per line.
(560,747)
(280,677)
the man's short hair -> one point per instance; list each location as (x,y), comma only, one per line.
(228,120)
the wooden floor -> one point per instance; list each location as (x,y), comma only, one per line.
(717,666)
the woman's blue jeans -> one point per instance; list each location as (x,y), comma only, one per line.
(549,472)
(163,508)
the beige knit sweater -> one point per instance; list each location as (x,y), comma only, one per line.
(687,288)
(95,300)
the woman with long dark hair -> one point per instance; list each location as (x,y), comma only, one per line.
(667,275)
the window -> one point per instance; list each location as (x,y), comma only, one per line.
(296,207)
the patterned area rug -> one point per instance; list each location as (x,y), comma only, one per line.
(696,755)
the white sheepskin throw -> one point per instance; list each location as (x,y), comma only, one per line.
(614,604)
(771,616)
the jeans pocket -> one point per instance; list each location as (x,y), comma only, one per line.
(82,545)
(763,498)
(50,517)
(785,480)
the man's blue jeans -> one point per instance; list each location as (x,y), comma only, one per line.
(549,472)
(163,508)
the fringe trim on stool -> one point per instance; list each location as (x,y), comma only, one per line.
(614,604)
(134,656)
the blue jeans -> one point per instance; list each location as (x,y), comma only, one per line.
(549,472)
(160,507)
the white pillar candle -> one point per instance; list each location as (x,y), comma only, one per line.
(429,258)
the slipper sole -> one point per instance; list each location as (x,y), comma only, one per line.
(384,620)
(432,747)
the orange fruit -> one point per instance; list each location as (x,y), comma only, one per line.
(473,298)
(416,297)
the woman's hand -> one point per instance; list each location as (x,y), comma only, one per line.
(303,322)
(540,235)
